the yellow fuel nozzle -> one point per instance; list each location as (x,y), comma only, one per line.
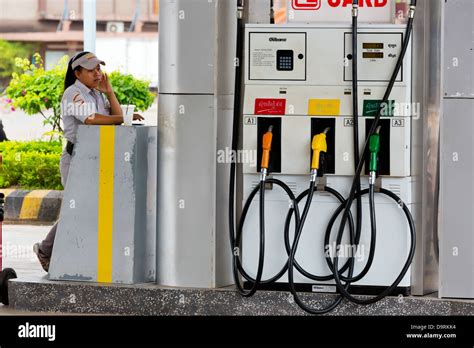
(267,147)
(319,145)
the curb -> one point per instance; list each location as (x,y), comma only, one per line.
(22,206)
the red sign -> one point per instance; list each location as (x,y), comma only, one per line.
(270,106)
(316,4)
(306,4)
(362,3)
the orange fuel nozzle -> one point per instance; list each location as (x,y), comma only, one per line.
(267,147)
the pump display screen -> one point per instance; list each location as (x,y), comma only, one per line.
(372,46)
(285,60)
(372,55)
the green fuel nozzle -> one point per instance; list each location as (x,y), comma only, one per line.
(374,147)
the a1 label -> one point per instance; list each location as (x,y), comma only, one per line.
(250,121)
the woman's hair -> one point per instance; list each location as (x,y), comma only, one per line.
(70,75)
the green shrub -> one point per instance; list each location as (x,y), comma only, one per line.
(8,52)
(131,91)
(31,165)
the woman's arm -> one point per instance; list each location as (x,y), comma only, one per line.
(106,88)
(115,108)
(102,120)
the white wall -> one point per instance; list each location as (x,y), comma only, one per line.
(52,58)
(138,57)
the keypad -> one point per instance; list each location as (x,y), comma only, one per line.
(285,60)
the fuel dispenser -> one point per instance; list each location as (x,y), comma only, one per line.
(328,107)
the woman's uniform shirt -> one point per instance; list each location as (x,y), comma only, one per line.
(78,103)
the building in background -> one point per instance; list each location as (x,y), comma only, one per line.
(127,31)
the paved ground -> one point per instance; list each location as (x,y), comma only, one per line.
(18,241)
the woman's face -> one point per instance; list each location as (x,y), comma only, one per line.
(91,78)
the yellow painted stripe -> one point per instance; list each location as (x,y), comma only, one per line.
(106,204)
(31,205)
(7,192)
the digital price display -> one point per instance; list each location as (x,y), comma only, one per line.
(372,55)
(372,46)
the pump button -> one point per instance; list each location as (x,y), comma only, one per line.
(285,60)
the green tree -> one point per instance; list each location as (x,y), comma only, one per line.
(36,91)
(8,52)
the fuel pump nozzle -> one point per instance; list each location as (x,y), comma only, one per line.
(320,148)
(374,147)
(266,147)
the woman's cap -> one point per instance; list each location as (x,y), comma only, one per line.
(88,61)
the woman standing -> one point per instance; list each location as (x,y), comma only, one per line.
(88,99)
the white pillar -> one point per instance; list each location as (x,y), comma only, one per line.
(90,28)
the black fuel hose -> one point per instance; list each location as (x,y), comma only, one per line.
(356,181)
(334,263)
(406,266)
(272,12)
(243,217)
(292,261)
(355,115)
(373,235)
(298,267)
(235,248)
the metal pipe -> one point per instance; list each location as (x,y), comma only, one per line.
(90,25)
